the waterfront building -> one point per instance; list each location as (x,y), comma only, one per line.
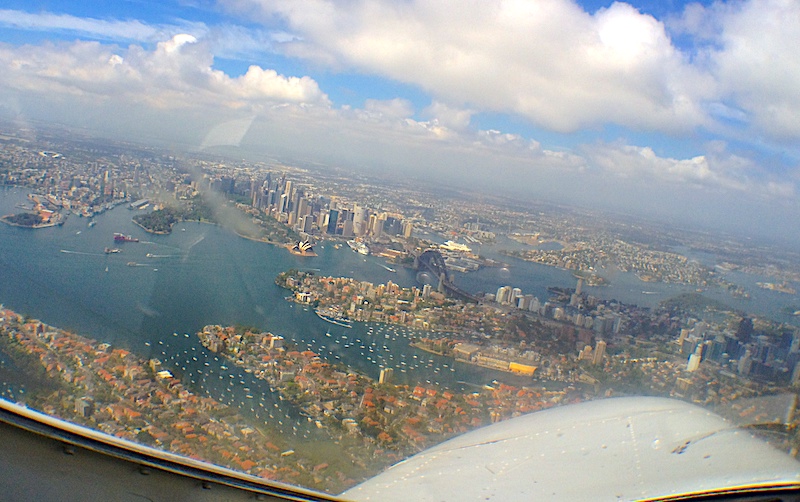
(503,294)
(386,375)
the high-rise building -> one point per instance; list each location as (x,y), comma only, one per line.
(599,352)
(333,220)
(347,228)
(684,334)
(503,294)
(694,363)
(386,375)
(579,287)
(360,220)
(303,207)
(307,223)
(376,225)
(392,226)
(408,228)
(426,290)
(255,193)
(796,374)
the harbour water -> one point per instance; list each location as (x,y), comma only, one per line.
(155,294)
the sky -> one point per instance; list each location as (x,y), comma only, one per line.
(682,111)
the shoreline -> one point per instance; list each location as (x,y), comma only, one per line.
(33,227)
(256,239)
(160,232)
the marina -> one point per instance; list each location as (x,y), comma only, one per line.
(208,275)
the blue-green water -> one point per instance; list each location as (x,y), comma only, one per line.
(204,274)
(155,294)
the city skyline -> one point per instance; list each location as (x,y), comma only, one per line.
(685,112)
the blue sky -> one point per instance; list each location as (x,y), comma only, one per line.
(688,111)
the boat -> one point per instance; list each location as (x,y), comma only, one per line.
(111,250)
(131,264)
(333,318)
(92,223)
(124,238)
(389,269)
(358,247)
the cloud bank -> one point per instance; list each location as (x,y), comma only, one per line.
(731,79)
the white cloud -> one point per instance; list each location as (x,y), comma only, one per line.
(758,63)
(451,117)
(178,73)
(224,39)
(398,108)
(105,29)
(717,170)
(749,48)
(174,91)
(548,61)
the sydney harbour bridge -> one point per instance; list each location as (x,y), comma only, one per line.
(432,261)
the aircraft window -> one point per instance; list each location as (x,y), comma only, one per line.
(309,242)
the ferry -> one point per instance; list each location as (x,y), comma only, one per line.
(333,319)
(124,238)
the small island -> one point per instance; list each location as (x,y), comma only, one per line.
(162,220)
(41,214)
(32,220)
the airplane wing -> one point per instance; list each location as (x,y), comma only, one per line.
(612,449)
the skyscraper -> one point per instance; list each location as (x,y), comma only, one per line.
(426,290)
(503,294)
(333,219)
(408,227)
(599,352)
(386,375)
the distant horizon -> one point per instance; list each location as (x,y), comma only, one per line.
(684,111)
(510,196)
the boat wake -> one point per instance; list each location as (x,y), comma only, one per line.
(67,251)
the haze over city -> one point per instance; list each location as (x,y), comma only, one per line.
(683,111)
